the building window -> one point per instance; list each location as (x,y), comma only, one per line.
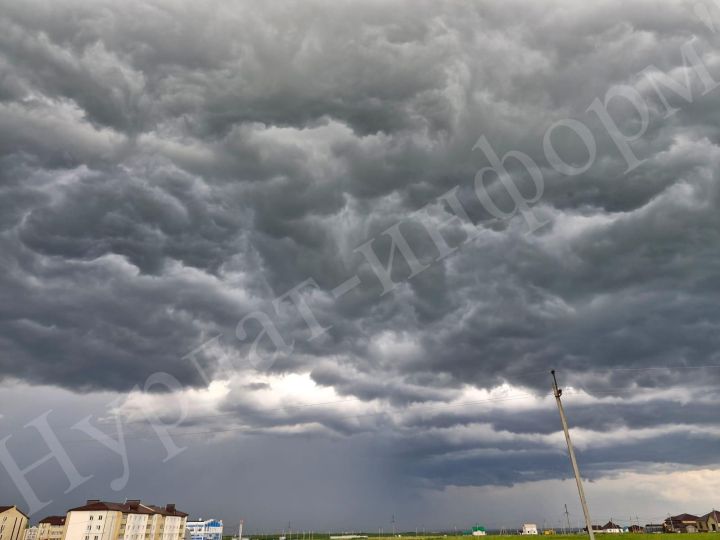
(100,518)
(91,518)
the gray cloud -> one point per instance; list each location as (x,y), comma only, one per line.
(167,168)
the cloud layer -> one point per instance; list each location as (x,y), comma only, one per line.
(167,168)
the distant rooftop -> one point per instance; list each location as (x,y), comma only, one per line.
(53,520)
(131,506)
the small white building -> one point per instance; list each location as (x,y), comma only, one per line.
(529,528)
(204,529)
(31,533)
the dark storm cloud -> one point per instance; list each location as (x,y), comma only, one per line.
(167,168)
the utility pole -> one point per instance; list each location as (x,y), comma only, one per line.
(567,517)
(558,392)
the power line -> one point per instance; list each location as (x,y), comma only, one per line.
(611,369)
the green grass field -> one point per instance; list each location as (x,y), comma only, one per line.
(410,536)
(626,536)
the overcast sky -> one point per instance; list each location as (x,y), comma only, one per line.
(169,170)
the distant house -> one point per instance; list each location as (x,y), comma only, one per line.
(682,523)
(654,528)
(709,522)
(51,528)
(612,528)
(529,528)
(637,529)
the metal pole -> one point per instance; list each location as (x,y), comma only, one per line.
(567,515)
(557,392)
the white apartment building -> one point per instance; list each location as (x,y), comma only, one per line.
(31,533)
(131,520)
(208,529)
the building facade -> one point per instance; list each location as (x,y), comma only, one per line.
(710,522)
(13,523)
(529,528)
(131,520)
(51,528)
(682,523)
(209,529)
(31,533)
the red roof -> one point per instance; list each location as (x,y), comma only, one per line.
(167,510)
(684,517)
(6,508)
(129,507)
(112,506)
(54,520)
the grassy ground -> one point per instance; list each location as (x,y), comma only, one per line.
(626,536)
(410,536)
